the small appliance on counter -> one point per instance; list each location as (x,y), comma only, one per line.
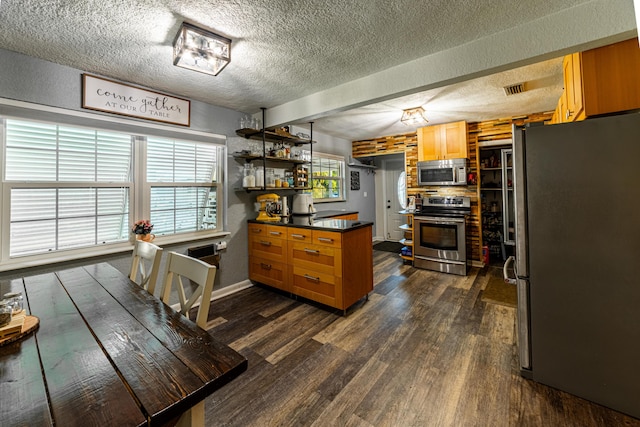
(302,204)
(269,207)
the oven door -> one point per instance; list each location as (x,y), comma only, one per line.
(440,237)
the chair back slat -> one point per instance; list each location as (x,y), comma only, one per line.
(145,263)
(179,267)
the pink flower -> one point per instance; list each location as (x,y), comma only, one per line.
(142,226)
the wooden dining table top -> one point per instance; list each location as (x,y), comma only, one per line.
(106,353)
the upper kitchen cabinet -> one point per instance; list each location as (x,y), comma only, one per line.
(571,107)
(447,141)
(600,81)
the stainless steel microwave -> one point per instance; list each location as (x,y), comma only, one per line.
(443,172)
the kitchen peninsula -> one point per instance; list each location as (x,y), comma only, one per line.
(327,260)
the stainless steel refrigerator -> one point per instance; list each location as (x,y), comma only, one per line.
(577,259)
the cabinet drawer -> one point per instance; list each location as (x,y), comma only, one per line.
(320,287)
(316,257)
(272,273)
(299,234)
(267,247)
(265,230)
(329,238)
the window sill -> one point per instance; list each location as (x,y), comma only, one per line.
(76,254)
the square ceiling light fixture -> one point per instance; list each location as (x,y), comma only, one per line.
(201,50)
(413,116)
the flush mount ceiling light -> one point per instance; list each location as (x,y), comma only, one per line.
(201,50)
(413,116)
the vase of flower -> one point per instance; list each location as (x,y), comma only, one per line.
(146,237)
(142,230)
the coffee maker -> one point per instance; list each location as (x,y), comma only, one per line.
(269,207)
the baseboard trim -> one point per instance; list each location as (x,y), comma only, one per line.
(231,289)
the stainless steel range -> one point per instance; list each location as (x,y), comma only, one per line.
(440,234)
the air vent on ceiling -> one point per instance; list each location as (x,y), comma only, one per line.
(514,89)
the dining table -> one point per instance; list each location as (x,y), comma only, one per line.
(107,353)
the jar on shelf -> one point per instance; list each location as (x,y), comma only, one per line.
(259,176)
(249,176)
(270,177)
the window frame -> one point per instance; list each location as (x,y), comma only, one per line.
(341,179)
(139,191)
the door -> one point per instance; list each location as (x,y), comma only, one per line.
(394,174)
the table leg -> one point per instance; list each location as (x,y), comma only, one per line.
(194,417)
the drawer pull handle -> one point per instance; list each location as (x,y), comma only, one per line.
(257,230)
(265,266)
(311,251)
(315,279)
(262,242)
(325,239)
(298,236)
(275,233)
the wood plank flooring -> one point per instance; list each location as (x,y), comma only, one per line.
(425,350)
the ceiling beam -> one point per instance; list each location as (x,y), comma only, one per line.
(582,27)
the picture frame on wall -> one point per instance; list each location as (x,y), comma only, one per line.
(355,180)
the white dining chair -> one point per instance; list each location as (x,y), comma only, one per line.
(145,263)
(200,274)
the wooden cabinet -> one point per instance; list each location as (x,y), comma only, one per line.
(447,141)
(600,81)
(571,100)
(329,267)
(268,255)
(316,271)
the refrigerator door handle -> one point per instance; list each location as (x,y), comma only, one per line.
(505,274)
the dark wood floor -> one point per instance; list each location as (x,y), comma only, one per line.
(425,350)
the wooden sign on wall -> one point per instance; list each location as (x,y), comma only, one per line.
(112,97)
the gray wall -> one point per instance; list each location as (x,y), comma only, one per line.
(355,199)
(32,80)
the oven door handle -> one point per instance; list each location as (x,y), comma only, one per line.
(440,220)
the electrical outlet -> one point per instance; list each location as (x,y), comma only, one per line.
(221,245)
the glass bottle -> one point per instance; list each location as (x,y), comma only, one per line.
(259,176)
(5,313)
(249,176)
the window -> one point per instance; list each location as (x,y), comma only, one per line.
(68,187)
(402,189)
(180,176)
(328,177)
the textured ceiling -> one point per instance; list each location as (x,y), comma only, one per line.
(284,50)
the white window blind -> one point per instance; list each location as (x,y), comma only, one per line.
(183,181)
(68,187)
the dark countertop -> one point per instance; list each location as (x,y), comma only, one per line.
(318,223)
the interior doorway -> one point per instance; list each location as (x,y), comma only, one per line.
(388,220)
